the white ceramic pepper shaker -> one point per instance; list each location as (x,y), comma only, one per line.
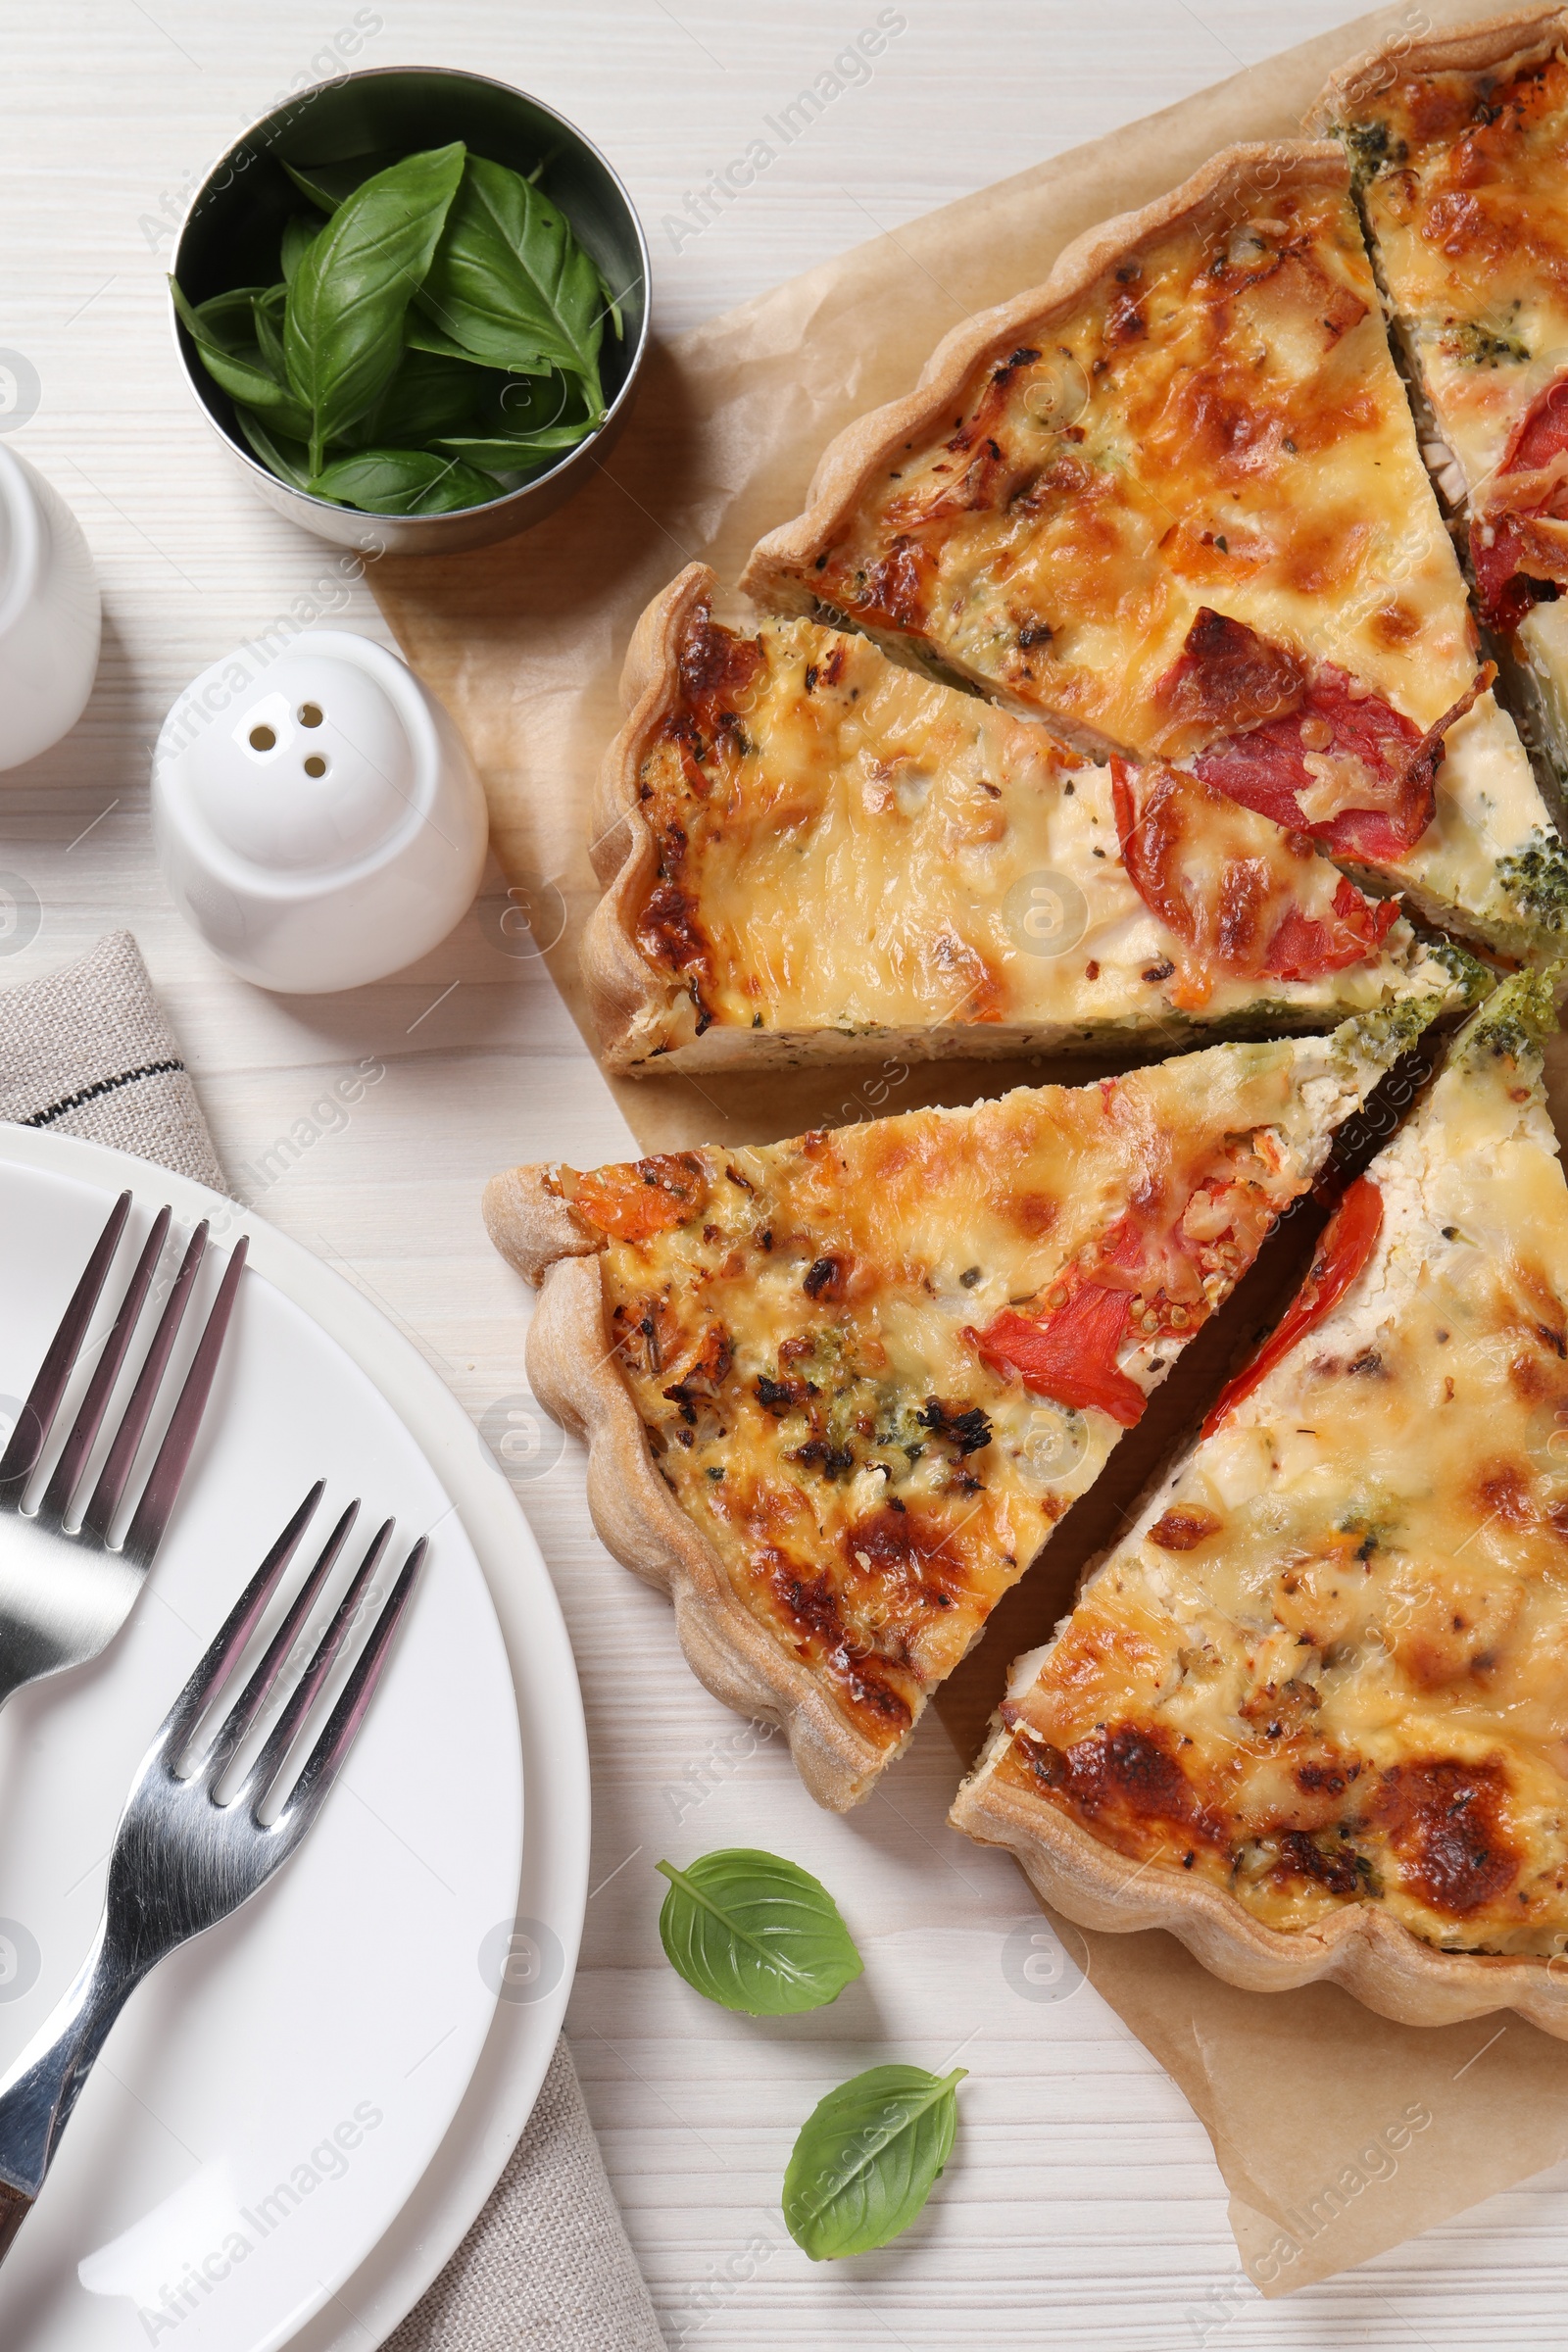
(50,616)
(318,816)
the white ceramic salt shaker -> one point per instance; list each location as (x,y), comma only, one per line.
(50,617)
(318,816)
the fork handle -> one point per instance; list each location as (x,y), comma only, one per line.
(13,2211)
(40,2090)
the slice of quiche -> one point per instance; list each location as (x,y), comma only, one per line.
(1461,148)
(1173,503)
(810,849)
(1312,1714)
(838,1391)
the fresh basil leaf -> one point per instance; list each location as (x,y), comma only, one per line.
(515,456)
(868,2158)
(611,302)
(224,331)
(428,396)
(755,1933)
(517,406)
(288,460)
(511,283)
(300,233)
(343,329)
(329,184)
(419,335)
(225,318)
(267,309)
(404,481)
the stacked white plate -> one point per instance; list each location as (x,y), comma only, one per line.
(299,2114)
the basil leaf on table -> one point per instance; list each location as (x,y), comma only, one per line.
(510,282)
(755,1933)
(289,460)
(868,2158)
(224,331)
(514,457)
(343,328)
(300,233)
(404,481)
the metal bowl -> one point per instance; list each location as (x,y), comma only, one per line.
(230,238)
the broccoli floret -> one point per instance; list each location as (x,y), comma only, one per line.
(1471,978)
(1515,1022)
(1479,346)
(1537,878)
(1382,1036)
(1371,150)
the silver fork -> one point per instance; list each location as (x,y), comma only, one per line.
(64,1592)
(181,1859)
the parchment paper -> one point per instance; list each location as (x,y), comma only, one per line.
(1338,2133)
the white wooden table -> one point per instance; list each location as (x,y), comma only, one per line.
(1083,2207)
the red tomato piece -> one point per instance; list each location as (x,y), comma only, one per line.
(1302,946)
(1347,1245)
(1071,1356)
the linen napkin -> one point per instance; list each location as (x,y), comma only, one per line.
(547,2266)
(88,1052)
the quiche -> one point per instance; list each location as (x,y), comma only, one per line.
(1458,143)
(838,1391)
(810,849)
(1312,1714)
(1172,502)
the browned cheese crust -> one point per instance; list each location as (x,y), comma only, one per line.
(839,1391)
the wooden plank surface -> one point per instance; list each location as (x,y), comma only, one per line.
(1083,2208)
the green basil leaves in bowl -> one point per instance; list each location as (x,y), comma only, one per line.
(428,332)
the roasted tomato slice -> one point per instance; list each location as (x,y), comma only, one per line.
(1314,749)
(640,1197)
(1346,768)
(1240,894)
(1347,1245)
(1542,432)
(1071,1356)
(1518,543)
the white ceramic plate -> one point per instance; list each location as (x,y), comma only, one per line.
(333,2059)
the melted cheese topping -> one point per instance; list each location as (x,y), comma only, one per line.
(1467,199)
(1220,426)
(1489,829)
(848,850)
(1330,1664)
(791,1323)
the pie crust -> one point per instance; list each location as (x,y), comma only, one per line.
(630,1000)
(1374,1958)
(862,451)
(572,1370)
(1467,49)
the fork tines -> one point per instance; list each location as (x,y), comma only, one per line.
(264,1776)
(36,1420)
